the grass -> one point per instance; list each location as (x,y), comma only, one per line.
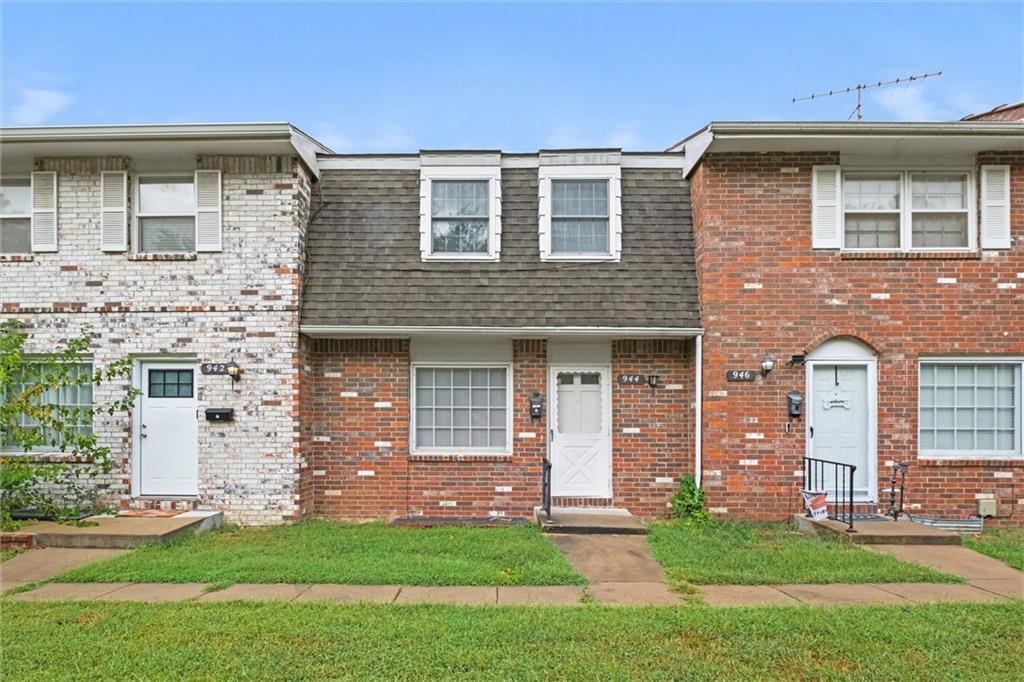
(1004,544)
(744,553)
(268,641)
(9,554)
(334,552)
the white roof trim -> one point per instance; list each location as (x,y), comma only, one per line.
(372,331)
(414,162)
(304,146)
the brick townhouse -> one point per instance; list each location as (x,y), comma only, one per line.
(468,315)
(880,267)
(425,335)
(180,245)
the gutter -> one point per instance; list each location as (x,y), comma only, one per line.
(373,331)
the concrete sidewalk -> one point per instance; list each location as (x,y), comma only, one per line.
(42,564)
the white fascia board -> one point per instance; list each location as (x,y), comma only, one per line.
(175,131)
(415,162)
(373,331)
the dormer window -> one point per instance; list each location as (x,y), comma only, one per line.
(580,213)
(460,216)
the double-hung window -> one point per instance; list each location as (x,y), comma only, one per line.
(970,408)
(579,217)
(580,214)
(461,409)
(460,215)
(15,215)
(166,214)
(74,398)
(907,210)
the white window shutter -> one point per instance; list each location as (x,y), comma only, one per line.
(995,207)
(425,215)
(615,215)
(114,211)
(44,211)
(544,217)
(208,210)
(826,212)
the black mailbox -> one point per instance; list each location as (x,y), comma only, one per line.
(220,414)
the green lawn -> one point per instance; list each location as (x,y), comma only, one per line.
(334,552)
(1005,544)
(743,553)
(268,641)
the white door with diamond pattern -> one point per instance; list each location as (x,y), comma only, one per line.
(581,447)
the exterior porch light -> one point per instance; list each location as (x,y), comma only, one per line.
(652,380)
(234,371)
(767,365)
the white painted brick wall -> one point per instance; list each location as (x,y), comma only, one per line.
(241,303)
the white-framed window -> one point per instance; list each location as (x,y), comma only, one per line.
(16,215)
(461,408)
(165,213)
(970,408)
(580,212)
(76,398)
(908,211)
(460,213)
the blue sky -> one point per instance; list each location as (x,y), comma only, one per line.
(512,76)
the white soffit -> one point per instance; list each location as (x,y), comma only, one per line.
(157,145)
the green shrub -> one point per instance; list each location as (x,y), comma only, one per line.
(688,502)
(59,484)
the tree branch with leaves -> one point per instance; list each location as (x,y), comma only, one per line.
(52,456)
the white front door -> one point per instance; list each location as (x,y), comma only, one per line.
(839,424)
(168,430)
(581,452)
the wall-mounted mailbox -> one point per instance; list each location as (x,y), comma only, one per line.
(220,414)
(536,405)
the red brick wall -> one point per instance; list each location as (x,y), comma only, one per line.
(663,449)
(344,434)
(752,218)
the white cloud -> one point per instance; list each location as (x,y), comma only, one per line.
(912,103)
(38,106)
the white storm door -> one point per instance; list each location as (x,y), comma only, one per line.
(840,427)
(581,452)
(168,430)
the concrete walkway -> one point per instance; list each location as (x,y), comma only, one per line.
(43,564)
(620,568)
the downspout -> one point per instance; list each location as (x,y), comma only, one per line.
(698,405)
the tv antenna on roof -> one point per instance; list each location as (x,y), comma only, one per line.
(861,87)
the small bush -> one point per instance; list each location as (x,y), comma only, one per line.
(688,502)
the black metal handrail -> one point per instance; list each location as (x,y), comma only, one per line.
(547,487)
(840,504)
(899,474)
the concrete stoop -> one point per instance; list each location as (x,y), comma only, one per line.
(124,532)
(877,532)
(588,521)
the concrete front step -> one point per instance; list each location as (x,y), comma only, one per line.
(585,521)
(124,532)
(877,532)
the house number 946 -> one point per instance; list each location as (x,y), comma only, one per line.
(740,375)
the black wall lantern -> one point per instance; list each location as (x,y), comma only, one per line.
(652,381)
(234,371)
